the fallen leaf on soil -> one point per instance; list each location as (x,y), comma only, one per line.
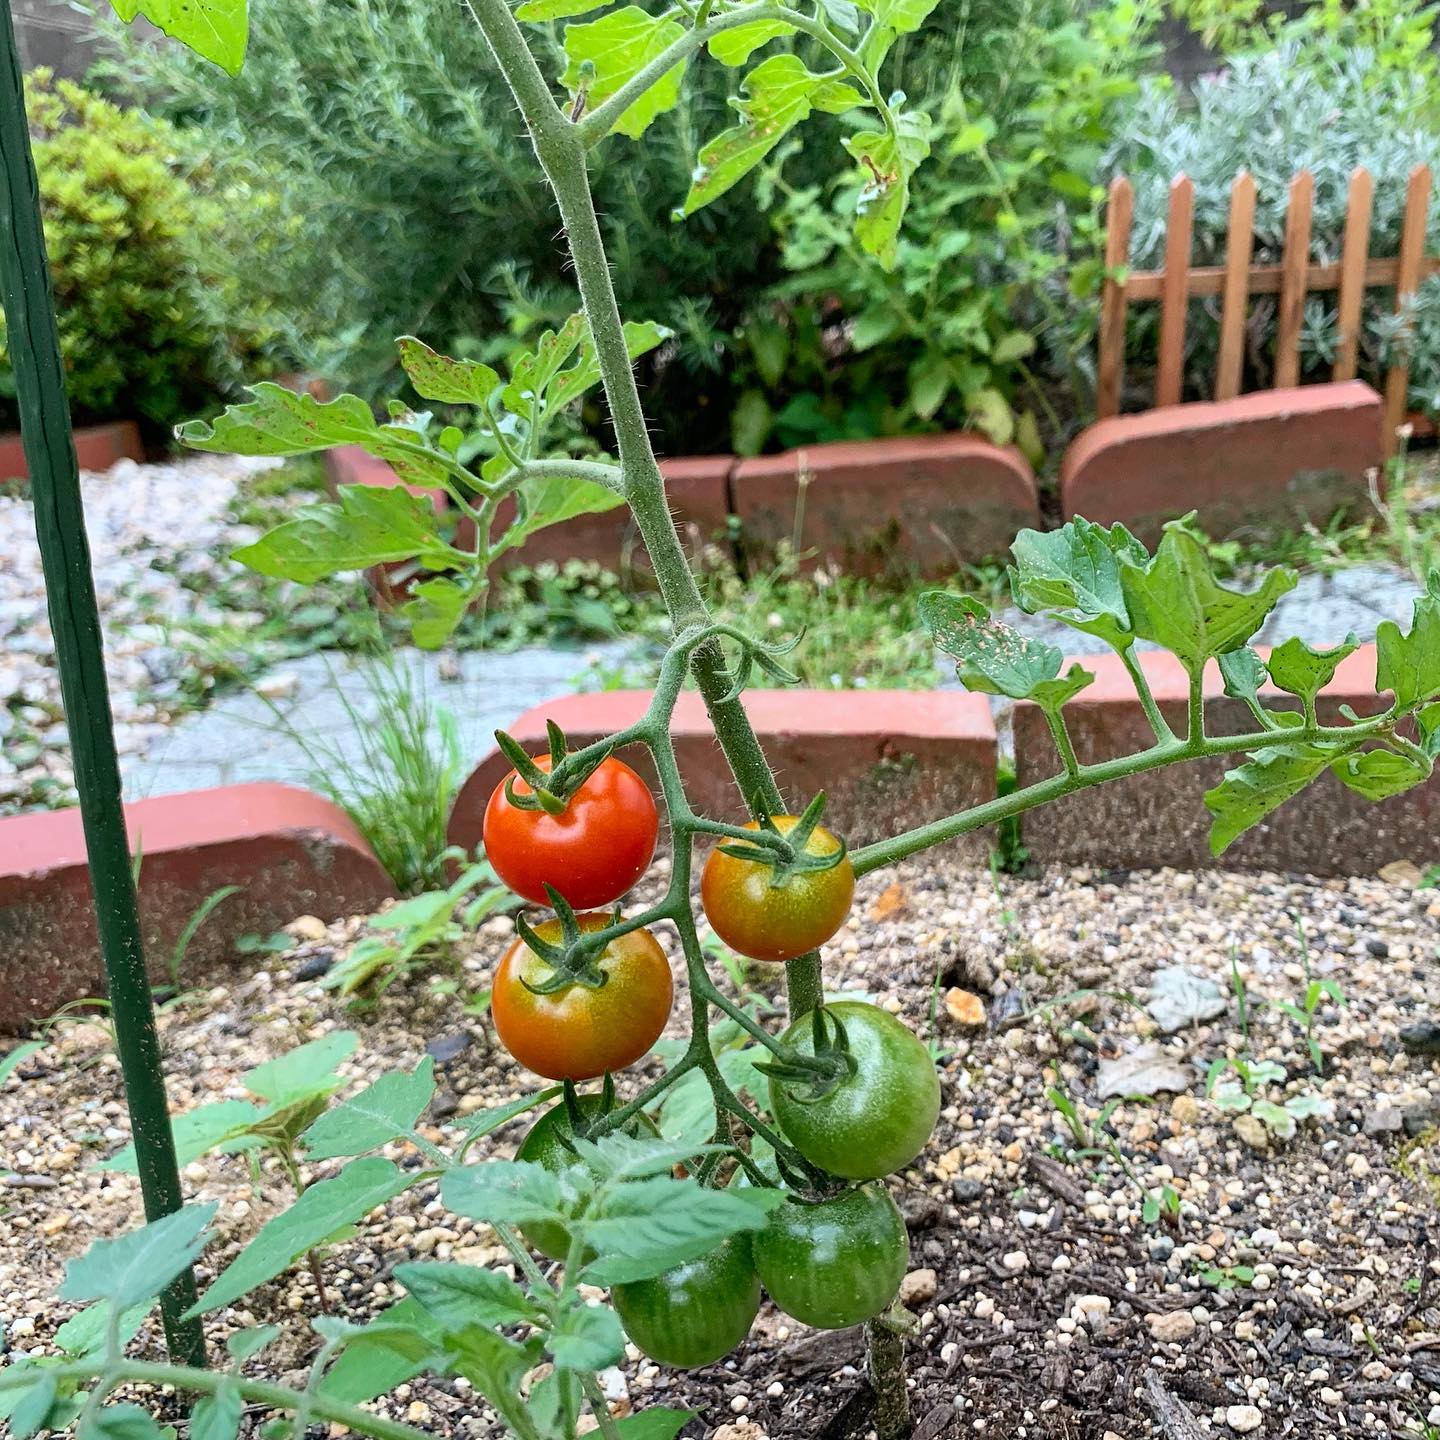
(1179,998)
(1145,1071)
(965,1009)
(890,901)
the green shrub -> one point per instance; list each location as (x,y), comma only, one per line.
(136,311)
(986,319)
(405,199)
(1274,112)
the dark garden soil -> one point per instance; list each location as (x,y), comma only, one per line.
(1297,1293)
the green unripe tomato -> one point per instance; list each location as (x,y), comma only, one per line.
(878,1118)
(697,1312)
(544,1144)
(834,1264)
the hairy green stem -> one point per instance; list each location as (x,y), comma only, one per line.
(205,1382)
(898,847)
(560,147)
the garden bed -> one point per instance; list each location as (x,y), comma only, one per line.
(1048,1307)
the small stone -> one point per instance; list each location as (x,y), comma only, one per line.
(1377,947)
(312,967)
(1422,1038)
(1015,1261)
(1384,1119)
(280,686)
(1404,873)
(918,1287)
(444,1048)
(1421,1116)
(1252,1132)
(965,1190)
(1185,1110)
(307,928)
(966,1009)
(1172,1327)
(1243,1419)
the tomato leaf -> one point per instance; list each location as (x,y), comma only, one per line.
(1265,782)
(216,30)
(586,1337)
(196,1133)
(657,1423)
(893,18)
(1176,601)
(439,377)
(380,1113)
(888,163)
(734,47)
(644,1227)
(508,1192)
(605,53)
(548,499)
(217,1416)
(435,607)
(641,336)
(1299,670)
(1073,573)
(458,1295)
(495,1366)
(371,1364)
(1408,663)
(539,11)
(370,526)
(321,1212)
(306,1071)
(779,93)
(990,657)
(1379,774)
(138,1265)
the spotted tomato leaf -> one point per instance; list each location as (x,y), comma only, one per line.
(283,422)
(603,54)
(887,161)
(440,377)
(1175,600)
(1265,782)
(779,93)
(989,656)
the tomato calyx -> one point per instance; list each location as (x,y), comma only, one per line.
(811,1078)
(786,854)
(551,790)
(574,961)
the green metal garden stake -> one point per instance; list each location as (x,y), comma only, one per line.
(34,345)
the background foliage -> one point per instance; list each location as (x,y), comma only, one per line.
(149,325)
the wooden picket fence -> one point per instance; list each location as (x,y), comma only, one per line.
(1238,279)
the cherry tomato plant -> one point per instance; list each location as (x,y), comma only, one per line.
(685,1231)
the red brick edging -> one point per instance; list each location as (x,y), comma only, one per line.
(97,447)
(293,852)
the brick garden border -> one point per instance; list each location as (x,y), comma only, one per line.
(97,447)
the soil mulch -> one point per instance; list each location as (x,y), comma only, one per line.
(1297,1293)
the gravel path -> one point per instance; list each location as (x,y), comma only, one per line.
(1296,1293)
(157,535)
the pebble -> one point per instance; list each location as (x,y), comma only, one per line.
(1243,1419)
(918,1287)
(1171,1327)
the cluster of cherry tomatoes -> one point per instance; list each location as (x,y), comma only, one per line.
(590,853)
(831,1261)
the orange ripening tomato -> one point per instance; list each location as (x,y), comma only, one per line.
(582,1031)
(592,853)
(777,922)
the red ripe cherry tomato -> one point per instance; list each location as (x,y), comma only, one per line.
(582,1031)
(592,853)
(767,921)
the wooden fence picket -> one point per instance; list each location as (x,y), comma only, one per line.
(1239,279)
